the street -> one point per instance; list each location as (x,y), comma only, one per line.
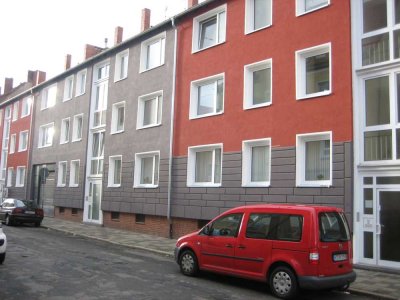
(45,264)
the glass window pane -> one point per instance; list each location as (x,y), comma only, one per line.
(217,167)
(368,201)
(121,116)
(398,143)
(220,95)
(317,73)
(377,102)
(374,15)
(313,4)
(398,97)
(203,166)
(396,43)
(261,15)
(206,97)
(221,27)
(150,112)
(208,33)
(147,170)
(154,55)
(375,49)
(388,180)
(156,167)
(318,160)
(369,245)
(378,145)
(76,172)
(397,11)
(368,180)
(117,171)
(261,86)
(259,163)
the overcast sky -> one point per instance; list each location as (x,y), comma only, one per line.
(37,34)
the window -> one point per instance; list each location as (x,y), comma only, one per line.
(10,174)
(100,105)
(20,180)
(26,107)
(46,133)
(205,165)
(140,218)
(115,216)
(62,174)
(118,117)
(49,97)
(23,141)
(314,159)
(256,162)
(207,97)
(15,111)
(258,84)
(77,128)
(80,83)
(68,87)
(152,52)
(147,169)
(306,6)
(313,72)
(226,226)
(64,134)
(114,172)
(13,141)
(149,110)
(96,167)
(209,29)
(121,65)
(74,173)
(258,15)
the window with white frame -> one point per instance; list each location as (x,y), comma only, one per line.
(26,106)
(314,159)
(68,87)
(205,165)
(256,162)
(258,84)
(77,128)
(62,174)
(23,141)
(15,111)
(1,116)
(152,53)
(207,96)
(97,160)
(149,110)
(313,72)
(258,15)
(100,105)
(64,132)
(49,96)
(46,133)
(10,174)
(146,169)
(209,29)
(13,142)
(20,178)
(306,6)
(114,171)
(121,65)
(118,117)
(80,83)
(74,173)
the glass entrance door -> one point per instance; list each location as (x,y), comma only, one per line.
(93,203)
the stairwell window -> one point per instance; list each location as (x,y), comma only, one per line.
(49,97)
(306,6)
(62,174)
(147,167)
(152,53)
(149,110)
(15,111)
(258,15)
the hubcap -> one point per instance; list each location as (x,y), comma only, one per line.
(282,283)
(187,263)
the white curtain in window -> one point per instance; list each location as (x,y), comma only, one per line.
(204,166)
(259,163)
(317,160)
(117,171)
(147,170)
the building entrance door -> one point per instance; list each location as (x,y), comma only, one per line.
(93,211)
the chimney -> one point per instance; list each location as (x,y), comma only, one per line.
(145,19)
(36,77)
(91,51)
(8,85)
(118,35)
(67,65)
(192,3)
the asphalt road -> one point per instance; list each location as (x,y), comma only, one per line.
(45,264)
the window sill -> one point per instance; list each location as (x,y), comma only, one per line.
(299,14)
(45,146)
(74,185)
(205,116)
(257,106)
(206,184)
(61,185)
(120,79)
(78,95)
(146,70)
(145,186)
(322,184)
(63,143)
(203,49)
(74,141)
(116,132)
(255,184)
(315,95)
(22,150)
(114,185)
(148,126)
(67,99)
(24,116)
(19,185)
(247,32)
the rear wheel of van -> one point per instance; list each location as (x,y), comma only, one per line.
(188,263)
(283,283)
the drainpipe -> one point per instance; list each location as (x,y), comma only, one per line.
(171,134)
(29,171)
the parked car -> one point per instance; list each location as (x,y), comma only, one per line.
(16,211)
(288,246)
(3,245)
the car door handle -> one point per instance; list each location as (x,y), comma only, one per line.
(242,247)
(228,246)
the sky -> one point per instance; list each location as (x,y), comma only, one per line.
(38,34)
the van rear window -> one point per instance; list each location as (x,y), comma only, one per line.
(333,227)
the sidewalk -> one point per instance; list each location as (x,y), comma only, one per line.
(380,285)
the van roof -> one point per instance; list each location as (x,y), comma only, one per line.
(286,207)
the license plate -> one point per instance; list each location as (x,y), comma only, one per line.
(340,257)
(29,212)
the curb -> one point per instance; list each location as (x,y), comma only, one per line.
(355,291)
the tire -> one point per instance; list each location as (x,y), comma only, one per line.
(188,263)
(8,221)
(2,257)
(283,283)
(37,224)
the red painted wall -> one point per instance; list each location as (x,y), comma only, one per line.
(287,116)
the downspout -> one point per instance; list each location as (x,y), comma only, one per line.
(171,133)
(29,171)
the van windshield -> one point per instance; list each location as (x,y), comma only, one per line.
(333,227)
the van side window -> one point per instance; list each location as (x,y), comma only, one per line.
(289,228)
(258,226)
(227,226)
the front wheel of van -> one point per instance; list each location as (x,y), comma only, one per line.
(283,283)
(188,263)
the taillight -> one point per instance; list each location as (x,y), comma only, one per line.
(39,212)
(314,257)
(18,210)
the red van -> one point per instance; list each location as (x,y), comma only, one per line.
(288,246)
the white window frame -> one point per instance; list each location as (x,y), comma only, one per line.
(20,177)
(191,168)
(75,128)
(301,140)
(60,171)
(63,139)
(247,162)
(114,117)
(194,96)
(138,169)
(301,56)
(21,138)
(10,174)
(42,130)
(144,51)
(159,95)
(74,170)
(26,106)
(111,170)
(249,16)
(80,89)
(248,83)
(301,8)
(197,27)
(46,102)
(15,111)
(118,64)
(68,88)
(13,143)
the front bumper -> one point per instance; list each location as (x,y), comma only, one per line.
(321,283)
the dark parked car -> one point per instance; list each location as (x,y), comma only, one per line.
(15,211)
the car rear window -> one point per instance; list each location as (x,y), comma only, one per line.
(333,227)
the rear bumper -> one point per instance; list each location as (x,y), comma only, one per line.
(320,283)
(26,219)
